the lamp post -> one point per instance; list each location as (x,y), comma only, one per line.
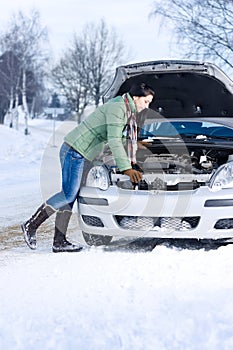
(54,122)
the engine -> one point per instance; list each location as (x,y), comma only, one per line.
(177,164)
(174,171)
(177,172)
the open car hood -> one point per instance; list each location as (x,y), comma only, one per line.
(183,89)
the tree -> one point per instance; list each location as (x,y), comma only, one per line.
(203,28)
(86,68)
(104,51)
(9,81)
(25,38)
(70,78)
(55,102)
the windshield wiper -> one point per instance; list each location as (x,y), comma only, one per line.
(200,137)
(226,138)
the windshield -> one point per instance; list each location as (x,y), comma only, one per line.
(185,128)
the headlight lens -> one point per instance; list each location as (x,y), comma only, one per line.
(222,178)
(98,177)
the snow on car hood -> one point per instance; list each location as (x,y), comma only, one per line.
(183,89)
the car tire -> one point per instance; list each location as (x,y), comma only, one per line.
(96,240)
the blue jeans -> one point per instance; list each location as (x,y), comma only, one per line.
(72,164)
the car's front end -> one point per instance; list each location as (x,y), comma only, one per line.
(186,156)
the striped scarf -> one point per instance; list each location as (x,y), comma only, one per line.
(131,132)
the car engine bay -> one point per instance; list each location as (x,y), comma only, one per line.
(188,168)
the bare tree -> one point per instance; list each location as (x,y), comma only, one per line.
(104,51)
(88,65)
(69,76)
(9,81)
(25,38)
(203,28)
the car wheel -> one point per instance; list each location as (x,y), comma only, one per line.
(96,240)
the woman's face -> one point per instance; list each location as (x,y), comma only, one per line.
(142,102)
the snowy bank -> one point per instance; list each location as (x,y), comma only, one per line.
(166,299)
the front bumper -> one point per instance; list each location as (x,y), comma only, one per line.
(199,213)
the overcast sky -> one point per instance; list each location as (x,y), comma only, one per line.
(130,18)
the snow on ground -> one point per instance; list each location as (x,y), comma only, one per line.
(166,299)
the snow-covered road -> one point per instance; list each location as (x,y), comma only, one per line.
(98,299)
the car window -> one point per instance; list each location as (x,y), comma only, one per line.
(184,128)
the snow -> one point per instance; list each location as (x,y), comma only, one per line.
(164,299)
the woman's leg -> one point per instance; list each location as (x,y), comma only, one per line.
(72,167)
(60,243)
(30,226)
(72,164)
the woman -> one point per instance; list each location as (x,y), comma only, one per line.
(86,141)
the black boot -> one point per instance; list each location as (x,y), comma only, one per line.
(60,243)
(31,225)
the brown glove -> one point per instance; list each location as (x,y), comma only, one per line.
(135,176)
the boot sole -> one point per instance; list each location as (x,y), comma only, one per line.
(31,246)
(66,250)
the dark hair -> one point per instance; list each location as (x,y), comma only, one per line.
(141,89)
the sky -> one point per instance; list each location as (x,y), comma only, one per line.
(139,33)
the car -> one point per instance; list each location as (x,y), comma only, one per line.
(186,156)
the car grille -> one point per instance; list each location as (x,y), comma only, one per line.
(224,224)
(157,223)
(92,221)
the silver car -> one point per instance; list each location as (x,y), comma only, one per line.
(185,153)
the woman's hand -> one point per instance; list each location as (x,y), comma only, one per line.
(135,176)
(143,144)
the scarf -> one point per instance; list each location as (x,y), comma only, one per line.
(131,131)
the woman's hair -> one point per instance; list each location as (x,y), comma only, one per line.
(141,89)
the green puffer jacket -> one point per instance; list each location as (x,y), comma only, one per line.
(104,126)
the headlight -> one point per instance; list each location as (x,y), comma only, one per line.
(98,176)
(222,178)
